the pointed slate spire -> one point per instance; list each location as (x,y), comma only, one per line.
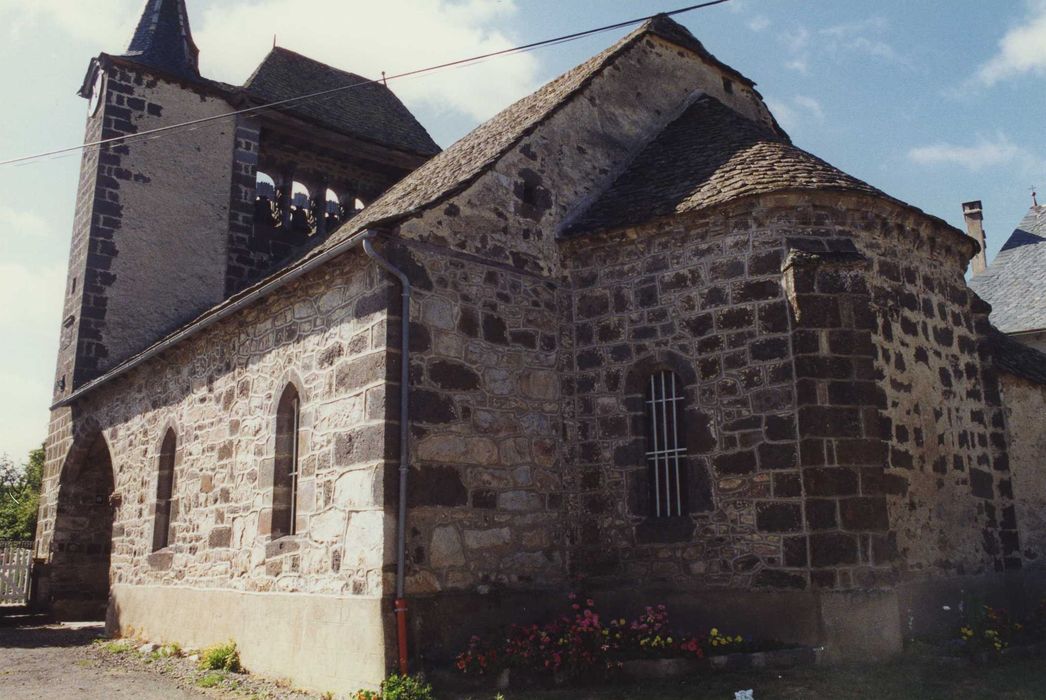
(163,39)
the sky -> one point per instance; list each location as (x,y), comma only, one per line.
(935,103)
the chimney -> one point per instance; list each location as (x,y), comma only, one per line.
(974,216)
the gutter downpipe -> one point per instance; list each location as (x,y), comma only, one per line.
(400,605)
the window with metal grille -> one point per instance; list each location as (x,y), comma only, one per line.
(164,492)
(285,466)
(666,450)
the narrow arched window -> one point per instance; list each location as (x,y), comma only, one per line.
(164,492)
(285,466)
(666,449)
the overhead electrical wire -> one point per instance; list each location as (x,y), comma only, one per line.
(326,94)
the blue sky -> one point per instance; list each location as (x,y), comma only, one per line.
(935,103)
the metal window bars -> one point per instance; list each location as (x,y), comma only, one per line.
(666,458)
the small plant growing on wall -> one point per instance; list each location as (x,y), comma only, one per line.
(221,657)
(398,687)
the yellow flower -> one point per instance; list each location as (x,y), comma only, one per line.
(714,632)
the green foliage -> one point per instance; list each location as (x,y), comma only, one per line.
(210,680)
(405,688)
(167,651)
(118,646)
(398,687)
(366,695)
(221,657)
(20,496)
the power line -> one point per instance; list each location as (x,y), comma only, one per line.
(330,92)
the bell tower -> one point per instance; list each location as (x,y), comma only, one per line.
(149,239)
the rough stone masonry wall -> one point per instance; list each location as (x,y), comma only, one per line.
(948,485)
(843,507)
(218,391)
(1025,404)
(701,296)
(495,318)
(486,492)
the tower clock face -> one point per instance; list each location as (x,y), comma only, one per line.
(97,92)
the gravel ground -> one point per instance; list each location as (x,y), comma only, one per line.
(54,662)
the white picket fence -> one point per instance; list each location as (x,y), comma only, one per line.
(16,562)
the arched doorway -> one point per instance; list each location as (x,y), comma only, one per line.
(83,534)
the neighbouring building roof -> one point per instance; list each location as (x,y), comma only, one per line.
(1017,358)
(1015,282)
(370,110)
(709,155)
(163,39)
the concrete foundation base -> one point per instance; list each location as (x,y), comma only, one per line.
(317,642)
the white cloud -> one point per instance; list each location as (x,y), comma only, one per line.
(797,111)
(984,153)
(29,327)
(1021,50)
(795,39)
(362,37)
(862,37)
(88,21)
(759,23)
(20,224)
(367,38)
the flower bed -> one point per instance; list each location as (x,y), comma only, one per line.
(988,632)
(583,644)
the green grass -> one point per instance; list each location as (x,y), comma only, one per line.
(907,679)
(210,680)
(118,646)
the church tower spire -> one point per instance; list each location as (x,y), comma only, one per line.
(163,39)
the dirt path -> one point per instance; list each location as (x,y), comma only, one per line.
(53,663)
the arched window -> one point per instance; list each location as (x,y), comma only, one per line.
(164,492)
(666,447)
(285,467)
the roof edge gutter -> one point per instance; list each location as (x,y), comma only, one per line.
(241,303)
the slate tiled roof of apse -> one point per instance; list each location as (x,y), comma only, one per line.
(460,164)
(1015,282)
(370,111)
(709,155)
(1017,358)
(163,39)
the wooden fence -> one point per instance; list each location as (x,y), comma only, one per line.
(16,563)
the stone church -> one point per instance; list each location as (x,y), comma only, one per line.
(341,397)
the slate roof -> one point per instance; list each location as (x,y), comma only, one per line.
(462,163)
(163,39)
(1017,358)
(1015,282)
(370,111)
(709,155)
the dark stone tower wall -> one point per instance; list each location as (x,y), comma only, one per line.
(149,241)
